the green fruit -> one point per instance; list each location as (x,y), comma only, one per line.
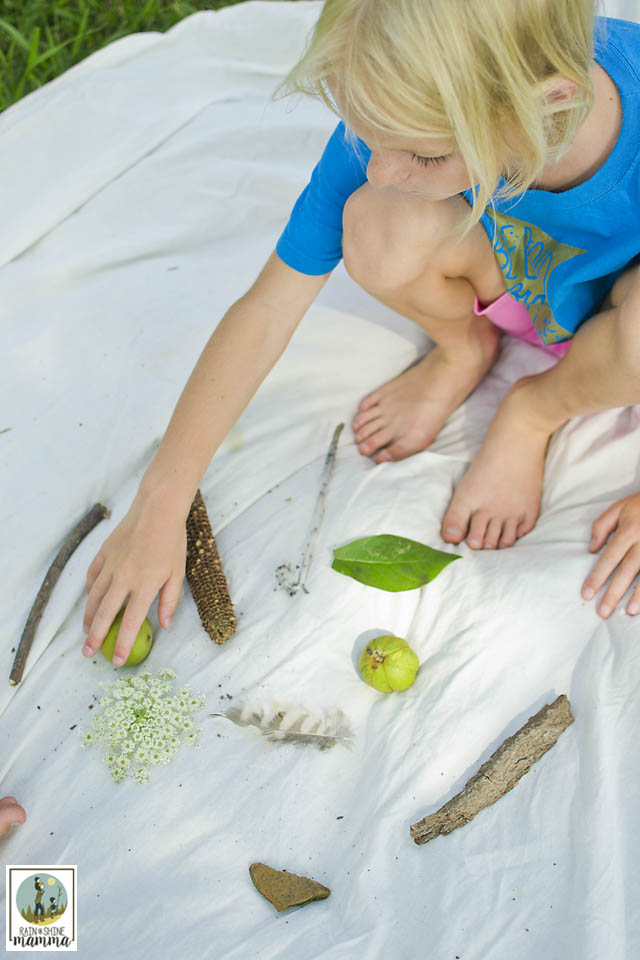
(388,663)
(141,645)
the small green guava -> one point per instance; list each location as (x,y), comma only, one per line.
(388,663)
(141,645)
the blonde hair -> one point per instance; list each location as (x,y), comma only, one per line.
(484,73)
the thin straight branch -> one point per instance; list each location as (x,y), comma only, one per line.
(97,513)
(284,573)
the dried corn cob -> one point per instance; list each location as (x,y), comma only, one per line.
(206,577)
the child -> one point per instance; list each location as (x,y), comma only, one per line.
(486,175)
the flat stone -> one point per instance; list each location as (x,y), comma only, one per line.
(284,889)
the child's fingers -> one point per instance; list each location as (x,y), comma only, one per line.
(605,565)
(134,613)
(10,813)
(633,606)
(100,587)
(603,525)
(169,598)
(108,608)
(94,570)
(622,579)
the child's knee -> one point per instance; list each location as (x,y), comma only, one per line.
(387,242)
(363,241)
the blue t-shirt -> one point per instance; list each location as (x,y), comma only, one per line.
(559,252)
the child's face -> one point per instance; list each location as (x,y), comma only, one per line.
(428,167)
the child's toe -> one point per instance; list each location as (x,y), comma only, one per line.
(364,417)
(454,526)
(525,526)
(369,401)
(508,537)
(492,535)
(477,530)
(395,451)
(380,438)
(368,429)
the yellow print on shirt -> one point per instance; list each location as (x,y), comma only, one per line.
(527,256)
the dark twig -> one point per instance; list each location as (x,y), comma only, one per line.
(75,538)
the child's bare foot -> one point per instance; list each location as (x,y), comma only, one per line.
(406,414)
(498,499)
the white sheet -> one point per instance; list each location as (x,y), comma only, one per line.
(147,187)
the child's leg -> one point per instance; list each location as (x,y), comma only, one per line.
(621,288)
(395,246)
(498,499)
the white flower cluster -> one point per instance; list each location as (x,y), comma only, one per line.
(142,725)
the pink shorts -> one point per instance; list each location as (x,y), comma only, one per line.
(513,317)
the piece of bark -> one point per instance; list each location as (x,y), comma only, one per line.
(500,773)
(97,513)
(205,575)
(284,889)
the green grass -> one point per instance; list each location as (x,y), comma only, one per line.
(40,39)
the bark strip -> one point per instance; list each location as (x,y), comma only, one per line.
(97,513)
(500,773)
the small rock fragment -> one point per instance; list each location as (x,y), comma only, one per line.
(284,889)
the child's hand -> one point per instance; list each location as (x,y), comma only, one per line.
(10,812)
(622,552)
(144,555)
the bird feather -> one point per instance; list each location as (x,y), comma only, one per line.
(294,725)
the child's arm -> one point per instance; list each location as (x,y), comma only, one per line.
(146,552)
(621,554)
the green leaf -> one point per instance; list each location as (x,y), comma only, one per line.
(33,49)
(390,563)
(15,34)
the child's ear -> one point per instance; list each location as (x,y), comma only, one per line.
(562,90)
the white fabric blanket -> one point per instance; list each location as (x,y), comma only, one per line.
(142,192)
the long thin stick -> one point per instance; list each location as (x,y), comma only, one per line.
(283,572)
(500,773)
(97,513)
